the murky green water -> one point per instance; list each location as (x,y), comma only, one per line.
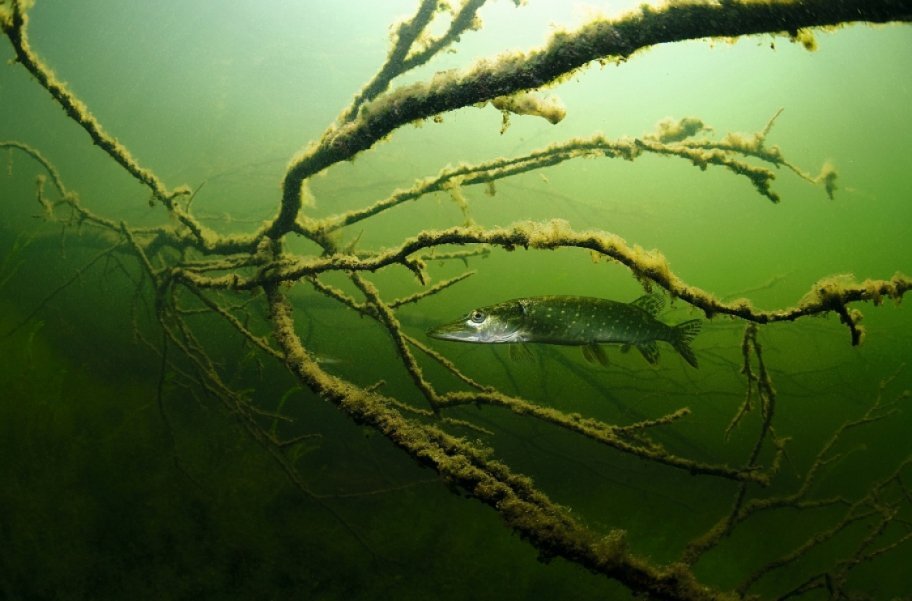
(106,494)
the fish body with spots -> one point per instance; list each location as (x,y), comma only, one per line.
(582,321)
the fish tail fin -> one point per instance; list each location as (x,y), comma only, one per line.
(682,335)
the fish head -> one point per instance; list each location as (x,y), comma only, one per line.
(491,324)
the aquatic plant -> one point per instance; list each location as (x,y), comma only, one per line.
(189,267)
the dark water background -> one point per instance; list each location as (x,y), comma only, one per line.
(102,498)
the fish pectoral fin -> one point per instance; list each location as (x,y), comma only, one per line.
(518,352)
(650,351)
(587,354)
(593,353)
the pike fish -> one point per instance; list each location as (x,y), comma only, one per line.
(582,321)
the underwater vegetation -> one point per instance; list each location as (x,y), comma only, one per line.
(760,475)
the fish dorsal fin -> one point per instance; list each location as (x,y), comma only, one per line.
(593,353)
(524,304)
(650,351)
(651,303)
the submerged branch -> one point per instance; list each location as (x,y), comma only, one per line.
(600,39)
(184,256)
(544,524)
(700,152)
(827,295)
(14,25)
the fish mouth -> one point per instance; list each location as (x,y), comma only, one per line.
(459,332)
(451,331)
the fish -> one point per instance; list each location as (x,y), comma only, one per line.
(584,321)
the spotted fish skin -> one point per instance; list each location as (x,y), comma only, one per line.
(575,320)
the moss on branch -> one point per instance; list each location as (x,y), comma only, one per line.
(827,295)
(525,509)
(566,52)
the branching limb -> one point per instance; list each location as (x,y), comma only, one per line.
(831,294)
(14,24)
(702,153)
(207,376)
(404,37)
(544,524)
(600,39)
(614,437)
(766,395)
(405,53)
(41,159)
(866,508)
(430,290)
(258,341)
(63,286)
(869,508)
(386,316)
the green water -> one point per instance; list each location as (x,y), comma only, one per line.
(106,494)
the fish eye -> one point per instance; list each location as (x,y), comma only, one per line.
(477,316)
